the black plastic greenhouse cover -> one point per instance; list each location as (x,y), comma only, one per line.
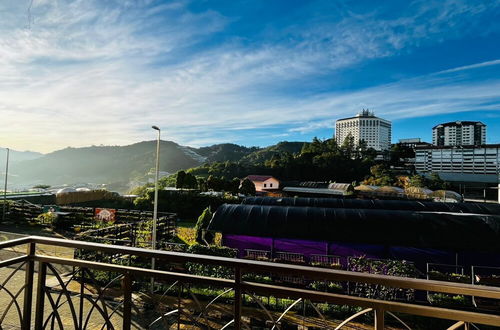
(477,208)
(454,231)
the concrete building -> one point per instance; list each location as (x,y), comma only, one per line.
(411,142)
(376,132)
(460,163)
(459,133)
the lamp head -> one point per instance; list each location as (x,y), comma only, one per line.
(155,128)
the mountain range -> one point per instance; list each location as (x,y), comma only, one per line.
(118,166)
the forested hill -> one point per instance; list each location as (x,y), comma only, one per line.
(122,164)
(236,153)
(102,164)
(225,152)
(262,155)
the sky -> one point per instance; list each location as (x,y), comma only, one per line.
(251,72)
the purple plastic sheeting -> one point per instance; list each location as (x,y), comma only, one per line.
(307,248)
(419,256)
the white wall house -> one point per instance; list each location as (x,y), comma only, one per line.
(264,182)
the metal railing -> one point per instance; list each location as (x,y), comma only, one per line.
(46,291)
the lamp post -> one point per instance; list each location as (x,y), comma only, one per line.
(155,206)
(5,186)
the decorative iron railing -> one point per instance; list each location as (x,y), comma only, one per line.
(43,291)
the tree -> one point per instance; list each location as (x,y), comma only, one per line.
(400,152)
(202,224)
(435,182)
(417,181)
(190,181)
(202,184)
(348,147)
(41,186)
(179,182)
(381,176)
(234,186)
(214,183)
(247,187)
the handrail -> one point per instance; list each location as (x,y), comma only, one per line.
(264,266)
(241,286)
(16,242)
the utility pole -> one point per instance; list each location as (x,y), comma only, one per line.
(155,206)
(5,186)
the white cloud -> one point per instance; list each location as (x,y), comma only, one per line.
(85,72)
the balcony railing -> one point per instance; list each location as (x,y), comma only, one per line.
(46,291)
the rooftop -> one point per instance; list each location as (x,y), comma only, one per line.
(460,123)
(259,178)
(365,113)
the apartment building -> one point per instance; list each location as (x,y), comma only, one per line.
(458,133)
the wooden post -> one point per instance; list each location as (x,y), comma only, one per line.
(82,292)
(28,289)
(40,296)
(237,298)
(127,301)
(379,319)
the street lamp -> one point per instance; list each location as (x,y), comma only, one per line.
(5,186)
(155,206)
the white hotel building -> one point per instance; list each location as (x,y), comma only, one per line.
(376,132)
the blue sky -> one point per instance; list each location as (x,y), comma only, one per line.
(83,72)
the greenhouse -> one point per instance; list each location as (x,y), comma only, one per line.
(413,235)
(476,208)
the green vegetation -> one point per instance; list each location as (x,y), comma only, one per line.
(381,175)
(42,186)
(225,152)
(201,225)
(184,180)
(320,160)
(247,188)
(187,204)
(261,156)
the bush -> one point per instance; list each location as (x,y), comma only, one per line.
(48,218)
(201,225)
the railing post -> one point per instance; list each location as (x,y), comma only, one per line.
(379,319)
(127,301)
(40,296)
(82,293)
(237,298)
(28,288)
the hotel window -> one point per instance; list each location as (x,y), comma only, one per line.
(264,185)
(270,185)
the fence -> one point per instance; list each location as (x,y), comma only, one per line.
(48,295)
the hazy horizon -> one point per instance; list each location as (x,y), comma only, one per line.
(82,73)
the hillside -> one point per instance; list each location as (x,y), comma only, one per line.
(17,156)
(260,156)
(103,164)
(118,166)
(225,152)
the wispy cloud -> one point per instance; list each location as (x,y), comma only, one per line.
(472,66)
(90,72)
